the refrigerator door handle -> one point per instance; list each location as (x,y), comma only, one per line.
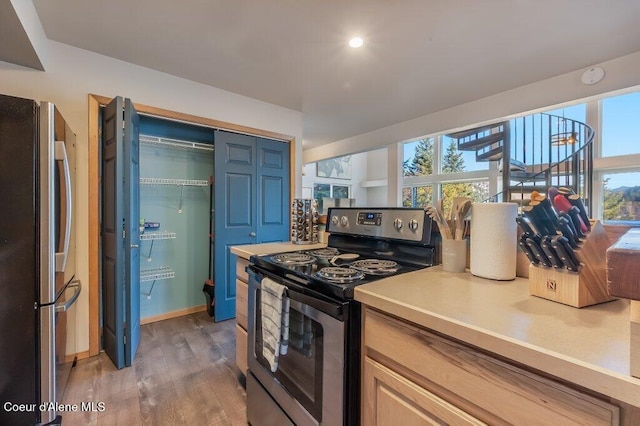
(61,155)
(77,284)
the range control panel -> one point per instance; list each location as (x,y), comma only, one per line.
(369,218)
(408,224)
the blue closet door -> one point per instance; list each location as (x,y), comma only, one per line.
(273,191)
(251,205)
(120,233)
(235,212)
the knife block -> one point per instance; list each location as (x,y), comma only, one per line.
(586,287)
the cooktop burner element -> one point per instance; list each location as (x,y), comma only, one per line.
(375,266)
(294,258)
(338,274)
(325,253)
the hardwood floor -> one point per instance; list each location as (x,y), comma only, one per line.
(184,374)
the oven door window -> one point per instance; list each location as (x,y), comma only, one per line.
(300,369)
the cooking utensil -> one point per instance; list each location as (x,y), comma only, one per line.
(576,201)
(540,255)
(574,231)
(561,203)
(436,215)
(563,225)
(522,242)
(565,253)
(534,217)
(574,215)
(462,213)
(551,253)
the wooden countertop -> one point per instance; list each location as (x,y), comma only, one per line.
(248,250)
(589,346)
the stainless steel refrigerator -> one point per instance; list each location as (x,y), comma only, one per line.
(37,285)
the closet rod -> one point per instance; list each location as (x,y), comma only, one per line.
(174,143)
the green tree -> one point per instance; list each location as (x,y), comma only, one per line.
(613,203)
(422,163)
(453,162)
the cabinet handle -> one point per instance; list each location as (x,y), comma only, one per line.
(252,234)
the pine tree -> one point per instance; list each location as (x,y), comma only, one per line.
(453,162)
(422,163)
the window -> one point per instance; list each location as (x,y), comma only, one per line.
(417,196)
(478,191)
(418,157)
(329,190)
(454,161)
(621,125)
(621,197)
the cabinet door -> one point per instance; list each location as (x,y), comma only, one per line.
(235,212)
(273,191)
(389,398)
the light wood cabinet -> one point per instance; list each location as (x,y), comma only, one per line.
(413,376)
(242,305)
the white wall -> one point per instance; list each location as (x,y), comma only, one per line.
(620,73)
(376,171)
(74,73)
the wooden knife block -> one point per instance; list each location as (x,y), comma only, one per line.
(578,289)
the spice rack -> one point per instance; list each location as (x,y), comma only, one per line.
(586,287)
(304,221)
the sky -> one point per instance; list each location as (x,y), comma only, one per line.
(620,134)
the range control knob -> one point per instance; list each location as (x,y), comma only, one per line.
(413,225)
(334,220)
(397,224)
(344,221)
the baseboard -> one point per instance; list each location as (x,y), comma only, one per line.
(173,314)
(79,355)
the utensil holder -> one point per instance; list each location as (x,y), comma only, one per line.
(586,287)
(454,255)
(304,221)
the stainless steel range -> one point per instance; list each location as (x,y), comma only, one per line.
(317,381)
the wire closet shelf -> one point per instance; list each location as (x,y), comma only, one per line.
(174,143)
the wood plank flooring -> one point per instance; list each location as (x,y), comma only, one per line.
(184,374)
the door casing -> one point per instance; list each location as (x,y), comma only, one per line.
(95,102)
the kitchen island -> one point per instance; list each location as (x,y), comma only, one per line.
(467,349)
(243,253)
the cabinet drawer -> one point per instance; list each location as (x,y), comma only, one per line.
(484,387)
(241,349)
(241,273)
(242,303)
(389,398)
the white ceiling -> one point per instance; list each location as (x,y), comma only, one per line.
(420,56)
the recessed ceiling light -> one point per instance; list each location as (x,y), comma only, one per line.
(356,42)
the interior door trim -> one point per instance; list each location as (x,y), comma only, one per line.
(95,102)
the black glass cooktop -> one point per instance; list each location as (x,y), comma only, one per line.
(336,272)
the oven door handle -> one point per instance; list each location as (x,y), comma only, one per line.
(334,310)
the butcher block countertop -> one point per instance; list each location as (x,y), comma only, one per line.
(588,346)
(248,250)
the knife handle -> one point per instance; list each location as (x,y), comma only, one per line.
(551,253)
(524,225)
(563,224)
(566,253)
(548,219)
(574,232)
(581,227)
(535,248)
(576,201)
(522,242)
(534,217)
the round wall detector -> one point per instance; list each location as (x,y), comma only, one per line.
(592,75)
